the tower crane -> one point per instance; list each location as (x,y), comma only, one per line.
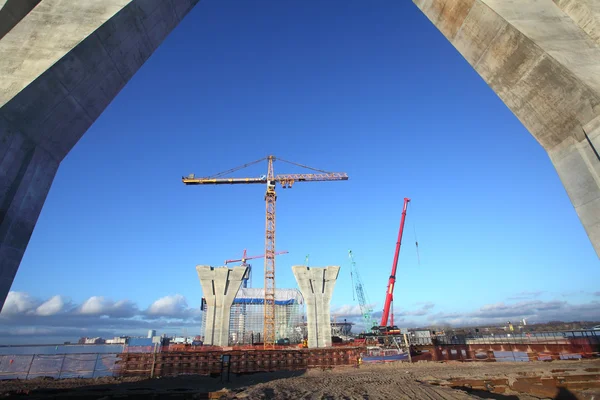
(245,264)
(363,303)
(269,180)
(389,296)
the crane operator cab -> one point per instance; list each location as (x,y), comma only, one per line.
(271,186)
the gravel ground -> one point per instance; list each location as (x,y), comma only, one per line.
(390,381)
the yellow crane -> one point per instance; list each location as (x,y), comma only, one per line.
(270,180)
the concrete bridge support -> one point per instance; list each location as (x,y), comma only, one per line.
(316,285)
(61,63)
(542,58)
(219,287)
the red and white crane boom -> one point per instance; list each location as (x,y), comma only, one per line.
(389,296)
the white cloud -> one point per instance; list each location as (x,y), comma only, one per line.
(496,313)
(98,305)
(52,306)
(25,319)
(18,303)
(347,310)
(526,295)
(423,310)
(533,310)
(174,306)
(95,305)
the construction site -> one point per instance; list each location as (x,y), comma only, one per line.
(271,338)
(246,324)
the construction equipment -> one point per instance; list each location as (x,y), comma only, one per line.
(248,276)
(363,302)
(270,180)
(389,297)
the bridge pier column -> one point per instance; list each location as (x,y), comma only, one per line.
(316,285)
(219,287)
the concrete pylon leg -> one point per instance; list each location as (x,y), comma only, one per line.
(61,64)
(219,287)
(542,58)
(316,285)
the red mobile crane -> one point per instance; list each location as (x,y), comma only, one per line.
(389,297)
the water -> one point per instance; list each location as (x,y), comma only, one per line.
(59,361)
(62,349)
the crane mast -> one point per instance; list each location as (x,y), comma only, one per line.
(269,307)
(286,181)
(365,310)
(389,296)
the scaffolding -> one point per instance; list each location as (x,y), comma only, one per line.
(247,316)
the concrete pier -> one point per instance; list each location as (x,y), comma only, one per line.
(61,64)
(219,287)
(542,58)
(316,285)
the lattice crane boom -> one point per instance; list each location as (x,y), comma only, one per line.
(270,180)
(389,295)
(245,258)
(363,303)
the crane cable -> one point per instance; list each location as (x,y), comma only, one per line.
(262,159)
(352,266)
(303,166)
(236,168)
(415,234)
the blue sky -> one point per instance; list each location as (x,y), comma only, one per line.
(367,88)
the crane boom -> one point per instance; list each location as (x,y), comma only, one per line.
(389,297)
(244,257)
(286,180)
(365,310)
(269,180)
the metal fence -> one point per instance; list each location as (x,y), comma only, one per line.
(82,365)
(566,337)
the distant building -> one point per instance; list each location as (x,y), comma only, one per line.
(96,340)
(117,340)
(181,340)
(151,333)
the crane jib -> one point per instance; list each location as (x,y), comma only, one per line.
(279,178)
(221,181)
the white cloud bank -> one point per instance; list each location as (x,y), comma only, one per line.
(25,319)
(424,314)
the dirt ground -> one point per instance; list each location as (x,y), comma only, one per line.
(390,381)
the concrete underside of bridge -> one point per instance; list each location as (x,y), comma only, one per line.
(542,58)
(61,63)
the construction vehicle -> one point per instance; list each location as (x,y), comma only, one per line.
(247,280)
(270,180)
(389,296)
